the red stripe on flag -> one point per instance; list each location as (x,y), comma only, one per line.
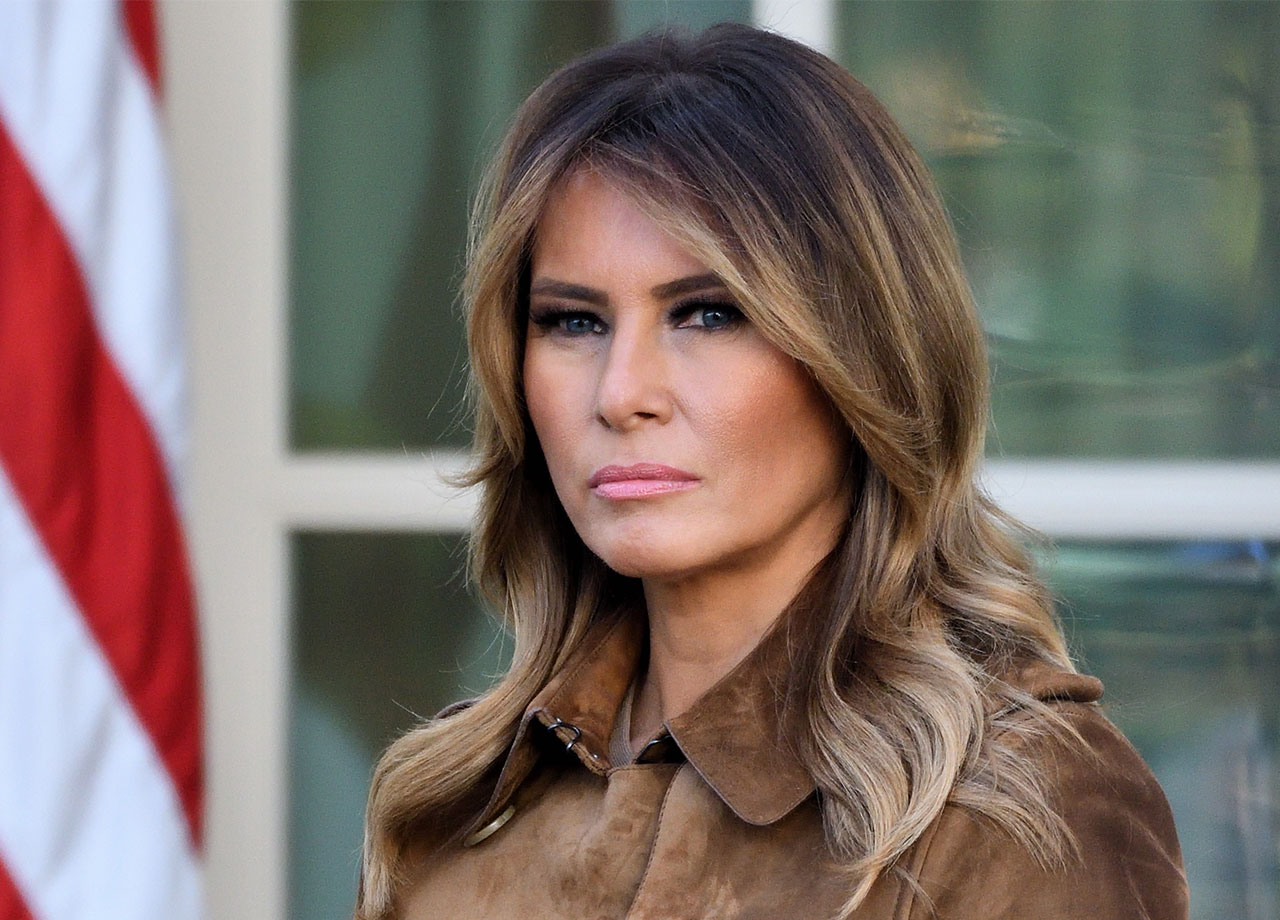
(12,905)
(83,463)
(140,23)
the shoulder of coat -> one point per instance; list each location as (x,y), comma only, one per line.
(1050,683)
(1124,857)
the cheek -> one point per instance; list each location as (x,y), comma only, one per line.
(548,395)
(768,411)
(772,423)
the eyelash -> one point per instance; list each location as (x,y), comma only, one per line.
(553,318)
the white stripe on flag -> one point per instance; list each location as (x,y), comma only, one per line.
(90,826)
(79,109)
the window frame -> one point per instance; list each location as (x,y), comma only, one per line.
(226,74)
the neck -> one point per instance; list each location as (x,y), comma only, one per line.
(702,625)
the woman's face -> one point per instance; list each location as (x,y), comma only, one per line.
(678,439)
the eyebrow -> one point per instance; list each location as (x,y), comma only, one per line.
(569,291)
(664,291)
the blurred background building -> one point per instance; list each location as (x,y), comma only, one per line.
(1113,171)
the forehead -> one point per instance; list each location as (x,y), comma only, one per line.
(594,231)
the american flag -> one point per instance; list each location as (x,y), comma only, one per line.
(100,712)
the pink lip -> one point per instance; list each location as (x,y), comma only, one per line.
(640,480)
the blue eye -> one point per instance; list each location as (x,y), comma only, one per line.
(709,315)
(568,322)
(718,316)
(577,323)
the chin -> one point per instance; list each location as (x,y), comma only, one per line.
(651,545)
(647,558)
(646,563)
(642,568)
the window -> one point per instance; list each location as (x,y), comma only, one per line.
(1110,169)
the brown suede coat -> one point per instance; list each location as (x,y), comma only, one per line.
(719,820)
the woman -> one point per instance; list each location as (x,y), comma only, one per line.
(775,653)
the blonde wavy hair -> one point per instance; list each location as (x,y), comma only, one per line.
(790,181)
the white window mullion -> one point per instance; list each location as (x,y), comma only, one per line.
(226,108)
(372,492)
(810,21)
(1129,499)
(1064,498)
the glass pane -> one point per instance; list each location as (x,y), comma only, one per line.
(1186,638)
(632,17)
(394,107)
(1111,169)
(384,631)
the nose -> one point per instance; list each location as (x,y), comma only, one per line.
(633,388)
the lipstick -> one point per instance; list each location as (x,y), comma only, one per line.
(640,480)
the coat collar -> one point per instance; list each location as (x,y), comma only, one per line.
(731,735)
